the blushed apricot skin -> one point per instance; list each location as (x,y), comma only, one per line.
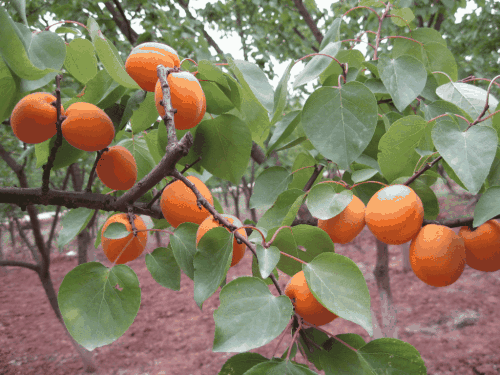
(482,246)
(117,168)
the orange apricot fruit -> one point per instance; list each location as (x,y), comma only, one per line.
(344,227)
(178,202)
(123,250)
(117,169)
(87,127)
(437,255)
(394,214)
(33,119)
(306,305)
(187,98)
(482,246)
(142,62)
(209,223)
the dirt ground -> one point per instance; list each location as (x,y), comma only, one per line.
(456,328)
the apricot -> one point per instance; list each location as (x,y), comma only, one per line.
(34,118)
(117,169)
(482,246)
(87,127)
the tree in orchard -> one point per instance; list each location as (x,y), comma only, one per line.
(388,120)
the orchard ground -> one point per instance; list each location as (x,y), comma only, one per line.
(454,328)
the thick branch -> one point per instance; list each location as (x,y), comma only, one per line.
(309,20)
(258,154)
(121,21)
(16,263)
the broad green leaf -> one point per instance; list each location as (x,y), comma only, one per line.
(67,30)
(302,176)
(66,154)
(256,272)
(313,240)
(268,186)
(487,207)
(224,144)
(340,122)
(317,64)
(404,77)
(239,363)
(333,33)
(73,222)
(363,175)
(184,247)
(81,61)
(470,154)
(440,107)
(112,63)
(211,262)
(151,138)
(338,284)
(99,304)
(354,60)
(251,109)
(217,101)
(397,155)
(280,95)
(284,210)
(403,16)
(324,202)
(133,103)
(14,53)
(249,316)
(163,267)
(8,89)
(268,258)
(471,99)
(20,6)
(277,366)
(283,129)
(285,242)
(380,356)
(207,70)
(116,231)
(145,115)
(258,83)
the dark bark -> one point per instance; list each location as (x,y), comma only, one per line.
(83,238)
(308,20)
(121,21)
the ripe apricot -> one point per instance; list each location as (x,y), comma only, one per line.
(117,169)
(209,223)
(344,227)
(187,98)
(178,202)
(142,62)
(482,246)
(87,127)
(437,255)
(34,119)
(306,305)
(394,214)
(114,247)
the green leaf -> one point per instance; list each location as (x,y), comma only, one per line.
(338,284)
(340,122)
(268,186)
(152,141)
(487,207)
(256,272)
(14,53)
(284,210)
(324,202)
(404,16)
(302,176)
(207,70)
(217,101)
(283,129)
(441,107)
(73,222)
(470,98)
(8,89)
(223,139)
(470,154)
(258,83)
(20,6)
(211,262)
(163,267)
(99,304)
(184,247)
(380,356)
(139,150)
(277,366)
(268,259)
(317,65)
(116,231)
(66,154)
(112,63)
(280,95)
(333,33)
(404,77)
(239,363)
(133,104)
(81,61)
(397,155)
(145,115)
(249,316)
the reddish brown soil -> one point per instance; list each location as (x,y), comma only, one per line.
(172,336)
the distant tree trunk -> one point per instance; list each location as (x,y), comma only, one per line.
(158,239)
(405,249)
(83,237)
(387,309)
(12,233)
(236,198)
(248,190)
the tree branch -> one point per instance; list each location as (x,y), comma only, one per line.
(121,21)
(309,20)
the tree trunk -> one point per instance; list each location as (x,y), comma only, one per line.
(405,249)
(158,239)
(236,198)
(83,237)
(387,309)
(12,233)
